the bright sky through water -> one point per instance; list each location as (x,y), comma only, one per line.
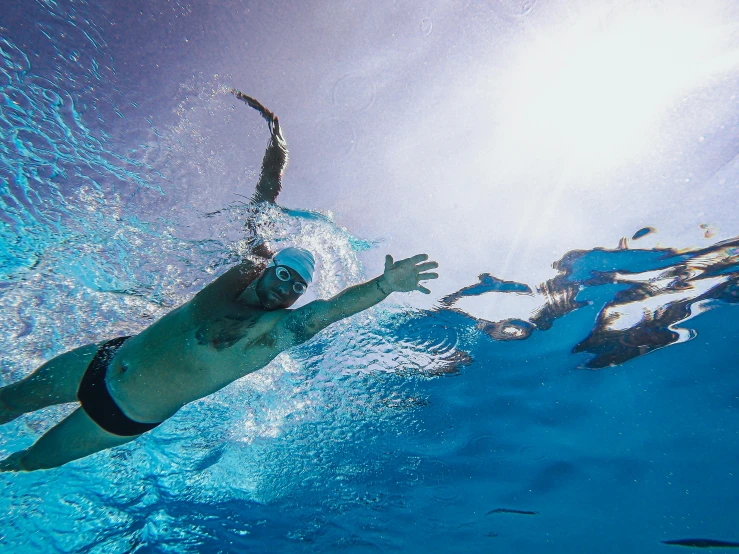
(594,95)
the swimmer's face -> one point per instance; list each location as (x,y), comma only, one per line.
(279,287)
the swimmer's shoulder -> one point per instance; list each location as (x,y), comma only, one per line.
(228,287)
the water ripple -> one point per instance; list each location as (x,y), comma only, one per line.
(354,92)
(336,136)
(513,10)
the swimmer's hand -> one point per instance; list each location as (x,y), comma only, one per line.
(270,118)
(406,275)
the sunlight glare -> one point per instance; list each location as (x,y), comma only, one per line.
(592,96)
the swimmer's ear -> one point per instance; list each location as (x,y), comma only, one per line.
(388,262)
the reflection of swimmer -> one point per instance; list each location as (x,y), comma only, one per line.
(508,329)
(643,232)
(487,283)
(641,318)
(234,326)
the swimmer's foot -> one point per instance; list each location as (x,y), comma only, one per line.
(14,462)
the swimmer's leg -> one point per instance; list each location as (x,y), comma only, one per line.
(74,437)
(55,382)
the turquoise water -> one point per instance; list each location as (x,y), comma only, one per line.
(604,419)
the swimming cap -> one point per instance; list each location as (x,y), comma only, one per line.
(297,259)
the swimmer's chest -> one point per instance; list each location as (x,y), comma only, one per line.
(235,344)
(234,326)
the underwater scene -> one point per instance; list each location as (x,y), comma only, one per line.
(569,385)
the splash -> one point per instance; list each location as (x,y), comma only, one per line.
(53,163)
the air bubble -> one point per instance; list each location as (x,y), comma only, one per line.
(355,93)
(427,26)
(337,135)
(513,10)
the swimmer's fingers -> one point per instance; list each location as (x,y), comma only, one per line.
(406,275)
(276,130)
(254,103)
(418,258)
(389,263)
(426,266)
(426,277)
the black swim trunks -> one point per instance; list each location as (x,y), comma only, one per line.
(95,398)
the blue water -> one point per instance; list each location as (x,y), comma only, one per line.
(605,421)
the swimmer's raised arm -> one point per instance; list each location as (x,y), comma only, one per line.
(270,177)
(402,276)
(275,157)
(273,166)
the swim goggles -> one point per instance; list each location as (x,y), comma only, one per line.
(283,274)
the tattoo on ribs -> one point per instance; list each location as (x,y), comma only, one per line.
(224,332)
(301,324)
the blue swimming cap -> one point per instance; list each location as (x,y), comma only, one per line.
(297,259)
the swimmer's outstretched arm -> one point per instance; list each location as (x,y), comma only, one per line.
(402,276)
(275,157)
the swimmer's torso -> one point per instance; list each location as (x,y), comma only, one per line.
(190,353)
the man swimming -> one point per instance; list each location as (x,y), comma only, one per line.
(234,326)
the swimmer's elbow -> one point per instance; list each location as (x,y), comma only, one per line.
(312,318)
(304,323)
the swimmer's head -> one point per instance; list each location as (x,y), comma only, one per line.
(286,278)
(297,259)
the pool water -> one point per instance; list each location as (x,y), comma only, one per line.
(589,403)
